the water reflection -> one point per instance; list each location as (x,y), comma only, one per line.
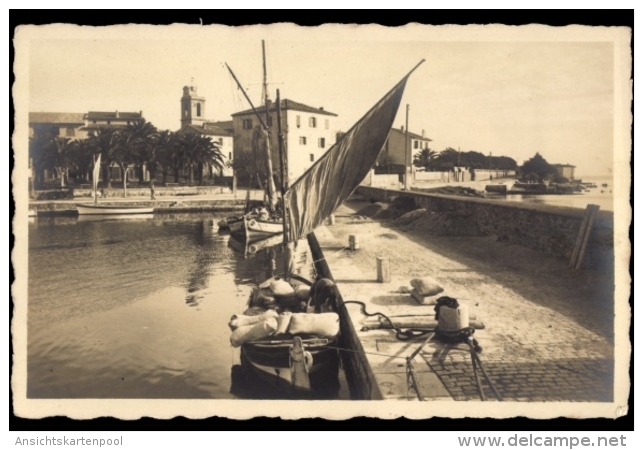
(138,308)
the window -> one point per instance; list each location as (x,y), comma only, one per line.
(247,124)
(415,144)
(302,140)
(312,157)
(326,123)
(70,132)
(221,141)
(198,109)
(322,142)
(230,155)
(312,122)
(298,121)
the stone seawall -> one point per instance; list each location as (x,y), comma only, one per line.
(550,229)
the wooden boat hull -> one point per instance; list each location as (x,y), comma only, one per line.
(224,224)
(269,359)
(118,210)
(252,229)
(271,367)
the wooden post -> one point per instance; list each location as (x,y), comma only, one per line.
(331,219)
(353,242)
(583,236)
(588,230)
(383,270)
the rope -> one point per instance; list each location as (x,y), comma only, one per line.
(400,334)
(332,254)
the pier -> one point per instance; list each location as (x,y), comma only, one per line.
(548,329)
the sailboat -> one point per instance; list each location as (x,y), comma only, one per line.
(263,222)
(97,209)
(306,205)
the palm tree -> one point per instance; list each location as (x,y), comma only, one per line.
(126,153)
(63,158)
(197,151)
(41,152)
(105,142)
(164,147)
(145,149)
(424,158)
(83,157)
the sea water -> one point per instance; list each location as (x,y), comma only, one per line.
(135,308)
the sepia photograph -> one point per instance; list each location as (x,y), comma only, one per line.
(321,222)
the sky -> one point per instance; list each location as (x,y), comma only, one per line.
(504,94)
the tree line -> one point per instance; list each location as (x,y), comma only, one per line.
(449,158)
(140,145)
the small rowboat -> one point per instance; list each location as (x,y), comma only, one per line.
(114,209)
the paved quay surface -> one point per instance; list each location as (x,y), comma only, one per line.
(548,332)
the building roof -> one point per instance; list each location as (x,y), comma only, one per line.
(207,129)
(55,117)
(287,104)
(110,115)
(223,124)
(562,165)
(412,135)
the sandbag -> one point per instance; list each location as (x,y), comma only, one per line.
(241,320)
(426,286)
(421,299)
(283,321)
(252,332)
(322,325)
(282,288)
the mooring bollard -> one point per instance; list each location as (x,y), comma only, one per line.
(353,242)
(383,270)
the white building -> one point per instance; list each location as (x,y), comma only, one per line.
(308,133)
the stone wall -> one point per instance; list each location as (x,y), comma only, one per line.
(159,191)
(550,229)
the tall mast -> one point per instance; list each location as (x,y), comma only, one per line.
(264,93)
(283,166)
(272,190)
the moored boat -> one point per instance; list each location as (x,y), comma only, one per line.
(300,356)
(286,340)
(97,209)
(113,209)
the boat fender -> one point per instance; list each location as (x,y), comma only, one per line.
(322,325)
(283,321)
(252,332)
(241,320)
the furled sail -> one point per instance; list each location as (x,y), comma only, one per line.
(336,175)
(95,175)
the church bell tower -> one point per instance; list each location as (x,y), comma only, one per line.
(192,107)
